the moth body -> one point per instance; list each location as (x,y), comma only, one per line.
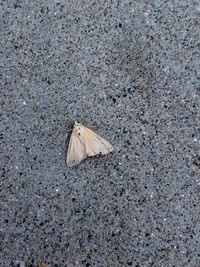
(85,143)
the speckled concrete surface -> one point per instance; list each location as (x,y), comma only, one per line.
(131,70)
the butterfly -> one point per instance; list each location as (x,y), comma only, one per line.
(85,143)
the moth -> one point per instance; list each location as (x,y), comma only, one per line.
(85,143)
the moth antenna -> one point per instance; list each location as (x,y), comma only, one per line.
(68,131)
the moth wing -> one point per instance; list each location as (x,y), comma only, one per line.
(76,151)
(95,144)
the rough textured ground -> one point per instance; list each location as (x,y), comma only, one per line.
(131,70)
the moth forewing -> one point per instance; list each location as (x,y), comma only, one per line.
(76,151)
(95,144)
(84,142)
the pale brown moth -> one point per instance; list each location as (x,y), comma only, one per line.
(85,143)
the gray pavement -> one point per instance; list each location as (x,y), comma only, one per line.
(130,70)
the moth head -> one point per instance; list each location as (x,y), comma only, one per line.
(78,128)
(76,124)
